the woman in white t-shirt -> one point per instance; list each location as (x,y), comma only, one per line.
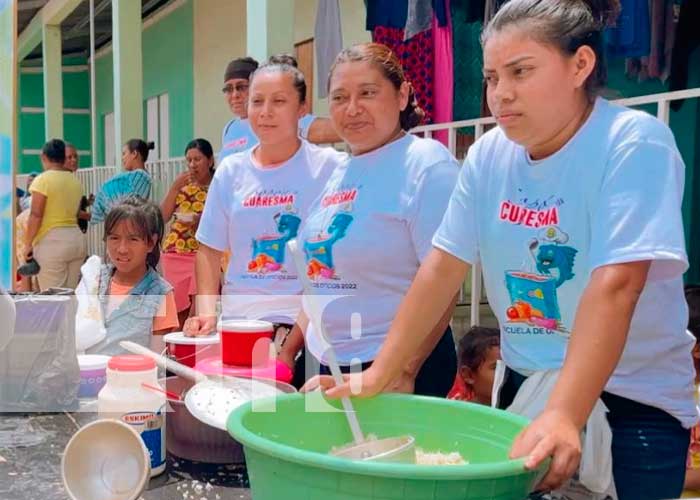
(256,202)
(572,205)
(237,134)
(367,234)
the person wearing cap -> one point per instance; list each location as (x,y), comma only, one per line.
(237,134)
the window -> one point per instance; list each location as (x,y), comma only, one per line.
(158,126)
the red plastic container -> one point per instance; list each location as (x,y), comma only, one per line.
(187,350)
(241,337)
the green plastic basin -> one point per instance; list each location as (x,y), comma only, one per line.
(287,449)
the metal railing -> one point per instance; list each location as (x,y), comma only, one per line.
(164,173)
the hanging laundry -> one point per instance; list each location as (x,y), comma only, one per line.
(663,32)
(387,13)
(631,35)
(470,11)
(418,18)
(328,36)
(687,40)
(416,56)
(444,75)
(467,61)
(663,29)
(441,10)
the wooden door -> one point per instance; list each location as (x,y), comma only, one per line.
(304,52)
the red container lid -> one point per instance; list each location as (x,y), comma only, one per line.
(131,363)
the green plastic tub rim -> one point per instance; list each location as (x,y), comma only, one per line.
(382,469)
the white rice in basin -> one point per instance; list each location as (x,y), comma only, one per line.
(438,458)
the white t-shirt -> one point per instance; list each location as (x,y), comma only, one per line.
(612,194)
(237,135)
(252,212)
(366,237)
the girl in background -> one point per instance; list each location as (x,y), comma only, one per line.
(136,301)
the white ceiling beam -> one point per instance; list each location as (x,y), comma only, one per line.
(53,13)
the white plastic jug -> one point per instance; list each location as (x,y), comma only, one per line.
(125,398)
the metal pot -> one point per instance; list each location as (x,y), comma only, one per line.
(191,439)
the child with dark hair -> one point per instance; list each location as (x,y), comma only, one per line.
(134,298)
(692,473)
(479,350)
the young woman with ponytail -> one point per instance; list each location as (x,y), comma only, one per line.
(572,205)
(372,226)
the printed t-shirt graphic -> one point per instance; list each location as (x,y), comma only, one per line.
(268,255)
(548,264)
(319,249)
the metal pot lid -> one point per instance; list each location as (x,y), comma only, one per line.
(211,402)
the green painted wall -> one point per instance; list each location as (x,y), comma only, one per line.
(168,60)
(104,101)
(76,128)
(167,68)
(685,124)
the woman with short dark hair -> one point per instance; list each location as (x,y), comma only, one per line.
(53,238)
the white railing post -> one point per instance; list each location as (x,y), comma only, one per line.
(475,302)
(478,130)
(452,140)
(663,111)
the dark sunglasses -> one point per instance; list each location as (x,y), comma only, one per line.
(239,87)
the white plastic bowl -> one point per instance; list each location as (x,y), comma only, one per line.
(105,460)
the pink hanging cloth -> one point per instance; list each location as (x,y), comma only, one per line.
(443,80)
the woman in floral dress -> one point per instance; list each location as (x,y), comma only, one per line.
(184,203)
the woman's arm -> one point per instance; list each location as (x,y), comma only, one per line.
(426,302)
(36,216)
(167,206)
(321,131)
(598,338)
(295,341)
(207,270)
(692,479)
(406,379)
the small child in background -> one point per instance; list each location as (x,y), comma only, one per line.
(692,473)
(479,350)
(136,301)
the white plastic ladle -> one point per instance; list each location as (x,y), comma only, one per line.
(317,322)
